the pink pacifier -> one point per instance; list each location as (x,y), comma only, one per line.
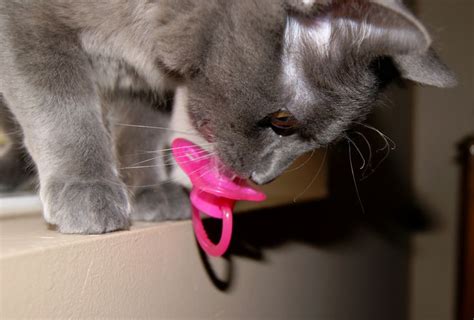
(213,193)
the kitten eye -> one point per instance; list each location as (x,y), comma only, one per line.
(283,123)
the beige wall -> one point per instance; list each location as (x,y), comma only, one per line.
(155,272)
(441,119)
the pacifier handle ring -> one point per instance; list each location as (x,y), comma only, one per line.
(215,250)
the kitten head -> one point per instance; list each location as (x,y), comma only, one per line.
(272,80)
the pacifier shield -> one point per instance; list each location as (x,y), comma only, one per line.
(214,193)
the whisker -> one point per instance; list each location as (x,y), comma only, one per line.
(11,133)
(314,178)
(156,128)
(142,162)
(144,167)
(391,143)
(161,151)
(354,179)
(203,156)
(220,166)
(369,160)
(160,156)
(176,148)
(163,182)
(358,150)
(167,164)
(303,164)
(381,161)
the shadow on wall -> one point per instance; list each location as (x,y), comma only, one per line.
(386,206)
(322,224)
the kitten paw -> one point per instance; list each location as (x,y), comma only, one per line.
(86,207)
(167,202)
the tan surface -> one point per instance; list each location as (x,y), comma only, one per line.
(154,272)
(30,234)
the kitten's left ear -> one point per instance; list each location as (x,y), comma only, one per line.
(376,27)
(371,28)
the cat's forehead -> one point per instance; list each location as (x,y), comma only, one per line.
(263,65)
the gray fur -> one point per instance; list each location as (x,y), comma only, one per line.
(419,68)
(154,198)
(67,63)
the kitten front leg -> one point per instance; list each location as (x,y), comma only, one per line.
(79,186)
(166,201)
(144,158)
(56,105)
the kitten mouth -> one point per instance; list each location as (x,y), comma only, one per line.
(205,131)
(200,164)
(223,170)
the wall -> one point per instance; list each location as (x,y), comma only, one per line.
(441,119)
(155,271)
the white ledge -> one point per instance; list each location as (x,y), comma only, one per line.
(154,271)
(23,204)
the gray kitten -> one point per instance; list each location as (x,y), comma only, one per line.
(266,81)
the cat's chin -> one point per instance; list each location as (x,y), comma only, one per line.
(256,179)
(261,179)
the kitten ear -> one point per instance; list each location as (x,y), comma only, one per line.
(378,27)
(371,28)
(425,68)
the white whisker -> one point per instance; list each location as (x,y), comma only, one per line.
(176,148)
(303,164)
(391,143)
(358,150)
(156,128)
(369,160)
(11,133)
(314,178)
(171,163)
(162,151)
(354,178)
(162,182)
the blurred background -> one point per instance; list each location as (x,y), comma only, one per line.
(419,187)
(370,245)
(436,122)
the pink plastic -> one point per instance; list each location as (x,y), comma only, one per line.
(214,193)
